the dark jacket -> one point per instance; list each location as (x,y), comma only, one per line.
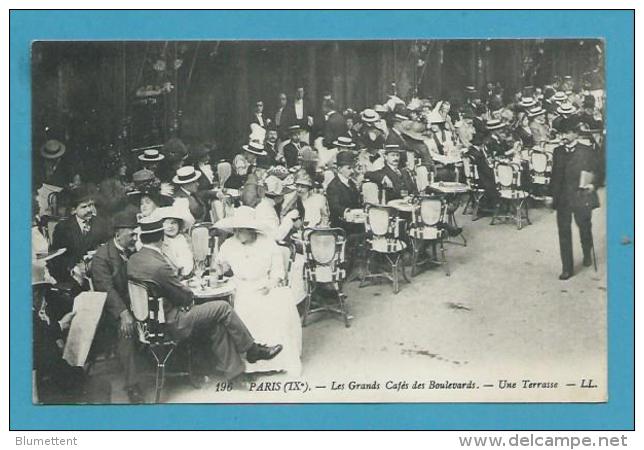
(291,154)
(198,207)
(334,126)
(150,265)
(340,198)
(399,181)
(109,274)
(566,172)
(67,234)
(290,118)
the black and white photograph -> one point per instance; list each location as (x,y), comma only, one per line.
(333,221)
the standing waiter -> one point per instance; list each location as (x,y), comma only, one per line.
(573,192)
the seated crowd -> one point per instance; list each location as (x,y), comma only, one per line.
(296,172)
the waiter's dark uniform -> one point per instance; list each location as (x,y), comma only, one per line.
(569,200)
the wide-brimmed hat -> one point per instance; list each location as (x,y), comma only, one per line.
(345,158)
(435,117)
(142,176)
(275,187)
(151,224)
(243,217)
(303,179)
(344,142)
(494,124)
(470,90)
(559,96)
(151,155)
(46,255)
(527,102)
(153,193)
(124,219)
(566,108)
(369,116)
(176,212)
(255,148)
(52,149)
(411,129)
(186,174)
(536,111)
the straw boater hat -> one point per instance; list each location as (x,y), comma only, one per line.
(435,117)
(52,149)
(393,148)
(527,102)
(560,96)
(566,108)
(176,212)
(150,225)
(344,142)
(369,116)
(255,148)
(151,155)
(536,111)
(275,187)
(494,124)
(243,217)
(185,175)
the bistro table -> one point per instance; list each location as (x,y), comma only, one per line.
(451,190)
(203,292)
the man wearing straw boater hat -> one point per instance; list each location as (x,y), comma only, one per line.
(186,186)
(51,169)
(150,159)
(228,336)
(574,168)
(496,145)
(109,274)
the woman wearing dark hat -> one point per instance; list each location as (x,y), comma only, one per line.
(149,200)
(522,131)
(113,189)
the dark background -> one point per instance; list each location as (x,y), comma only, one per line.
(84,93)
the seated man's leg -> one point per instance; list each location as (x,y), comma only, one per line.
(229,337)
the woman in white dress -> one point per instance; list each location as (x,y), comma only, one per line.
(176,247)
(267,308)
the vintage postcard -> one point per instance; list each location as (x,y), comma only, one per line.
(319,221)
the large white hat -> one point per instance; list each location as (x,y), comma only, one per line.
(256,148)
(243,217)
(176,211)
(151,155)
(186,174)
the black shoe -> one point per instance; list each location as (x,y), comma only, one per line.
(565,275)
(587,261)
(454,231)
(134,395)
(259,351)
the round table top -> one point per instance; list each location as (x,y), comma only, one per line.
(401,204)
(355,216)
(222,289)
(449,187)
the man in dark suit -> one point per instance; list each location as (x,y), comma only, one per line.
(80,233)
(109,274)
(479,156)
(299,112)
(572,195)
(391,177)
(342,194)
(293,148)
(270,144)
(334,124)
(228,335)
(258,115)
